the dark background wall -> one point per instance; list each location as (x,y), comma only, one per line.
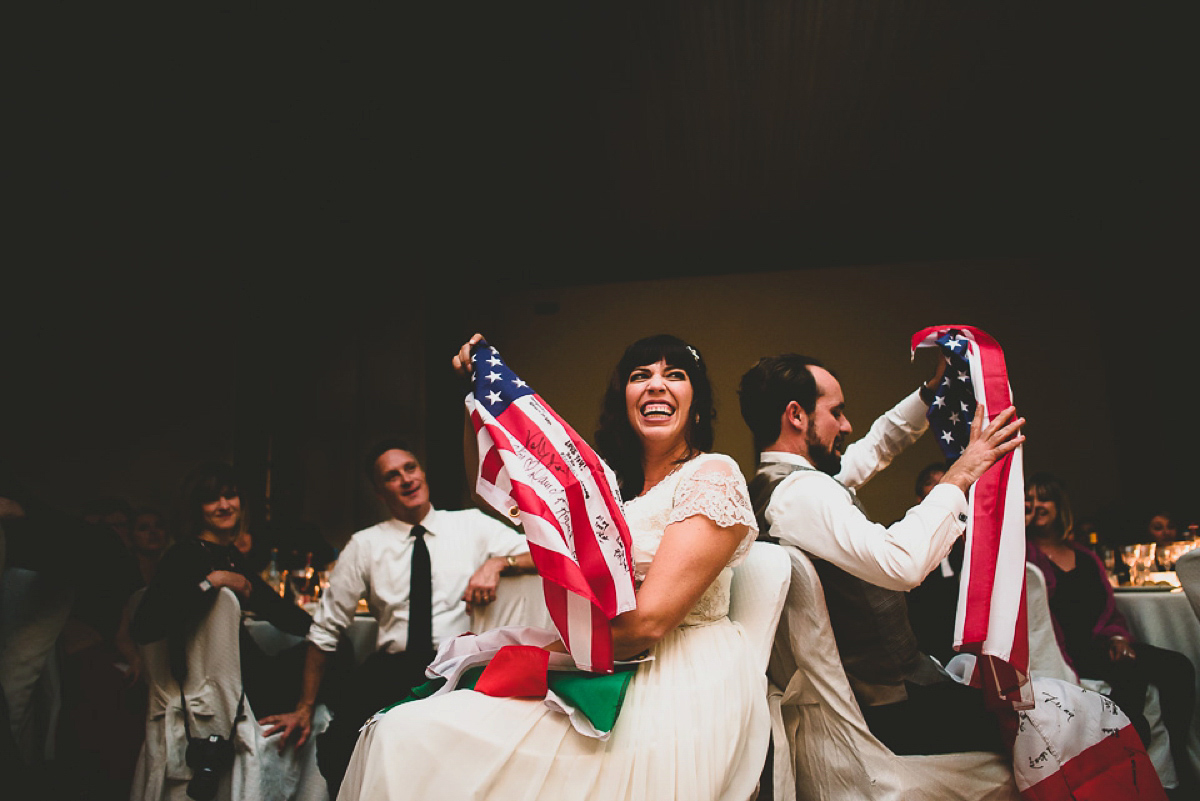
(261,239)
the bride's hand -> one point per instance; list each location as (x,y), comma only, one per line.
(462,360)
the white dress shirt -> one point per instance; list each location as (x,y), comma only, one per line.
(377,565)
(812,511)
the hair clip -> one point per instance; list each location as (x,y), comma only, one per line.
(695,355)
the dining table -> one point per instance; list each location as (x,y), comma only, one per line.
(1162,616)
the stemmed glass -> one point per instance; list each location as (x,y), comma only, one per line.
(1129,557)
(1140,559)
(1146,559)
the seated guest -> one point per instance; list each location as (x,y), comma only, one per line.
(148,540)
(1093,635)
(694,724)
(933,606)
(465,551)
(191,573)
(930,476)
(1161,528)
(75,580)
(804,495)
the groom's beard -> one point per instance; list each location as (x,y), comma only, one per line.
(824,457)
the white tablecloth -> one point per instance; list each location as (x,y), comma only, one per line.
(1166,619)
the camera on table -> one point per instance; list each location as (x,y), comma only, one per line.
(208,757)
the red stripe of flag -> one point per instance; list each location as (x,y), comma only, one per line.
(1114,769)
(596,467)
(587,548)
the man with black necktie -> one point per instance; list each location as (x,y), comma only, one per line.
(417,572)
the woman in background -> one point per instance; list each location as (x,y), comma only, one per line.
(190,575)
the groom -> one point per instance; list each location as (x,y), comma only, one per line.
(804,495)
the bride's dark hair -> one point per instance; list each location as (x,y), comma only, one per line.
(616,440)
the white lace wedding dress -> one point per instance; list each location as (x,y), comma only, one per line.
(694,725)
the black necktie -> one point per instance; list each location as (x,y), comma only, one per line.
(420,594)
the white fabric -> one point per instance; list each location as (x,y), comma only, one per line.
(1164,619)
(520,601)
(1046,660)
(212,689)
(811,511)
(694,724)
(833,755)
(1045,657)
(377,565)
(33,611)
(1187,568)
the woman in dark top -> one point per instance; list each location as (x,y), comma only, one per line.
(1093,635)
(191,574)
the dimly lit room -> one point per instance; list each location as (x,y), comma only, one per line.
(249,251)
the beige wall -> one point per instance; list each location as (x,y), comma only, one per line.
(859,321)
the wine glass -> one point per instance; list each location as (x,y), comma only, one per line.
(1145,558)
(1129,555)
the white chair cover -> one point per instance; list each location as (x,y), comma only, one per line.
(1046,659)
(757,593)
(212,689)
(520,601)
(833,755)
(33,611)
(1187,568)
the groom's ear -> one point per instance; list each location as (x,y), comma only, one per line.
(794,418)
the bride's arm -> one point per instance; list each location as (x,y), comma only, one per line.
(689,558)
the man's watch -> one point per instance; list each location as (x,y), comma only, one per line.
(512,560)
(205,585)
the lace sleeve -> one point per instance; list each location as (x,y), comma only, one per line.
(717,490)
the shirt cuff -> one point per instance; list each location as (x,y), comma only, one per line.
(950,498)
(912,410)
(322,638)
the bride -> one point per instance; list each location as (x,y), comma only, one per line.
(694,724)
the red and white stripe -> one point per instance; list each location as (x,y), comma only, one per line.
(991,602)
(536,469)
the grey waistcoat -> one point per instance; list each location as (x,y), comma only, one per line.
(870,624)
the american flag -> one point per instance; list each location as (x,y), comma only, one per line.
(534,468)
(991,617)
(1067,742)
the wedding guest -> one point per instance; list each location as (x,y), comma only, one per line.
(466,553)
(148,540)
(1161,528)
(191,573)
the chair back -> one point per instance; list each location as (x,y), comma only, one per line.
(757,593)
(212,691)
(1045,656)
(33,611)
(520,601)
(1187,568)
(834,756)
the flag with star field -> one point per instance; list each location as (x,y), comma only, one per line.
(534,468)
(991,618)
(1090,750)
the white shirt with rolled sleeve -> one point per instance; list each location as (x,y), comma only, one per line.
(377,565)
(814,512)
